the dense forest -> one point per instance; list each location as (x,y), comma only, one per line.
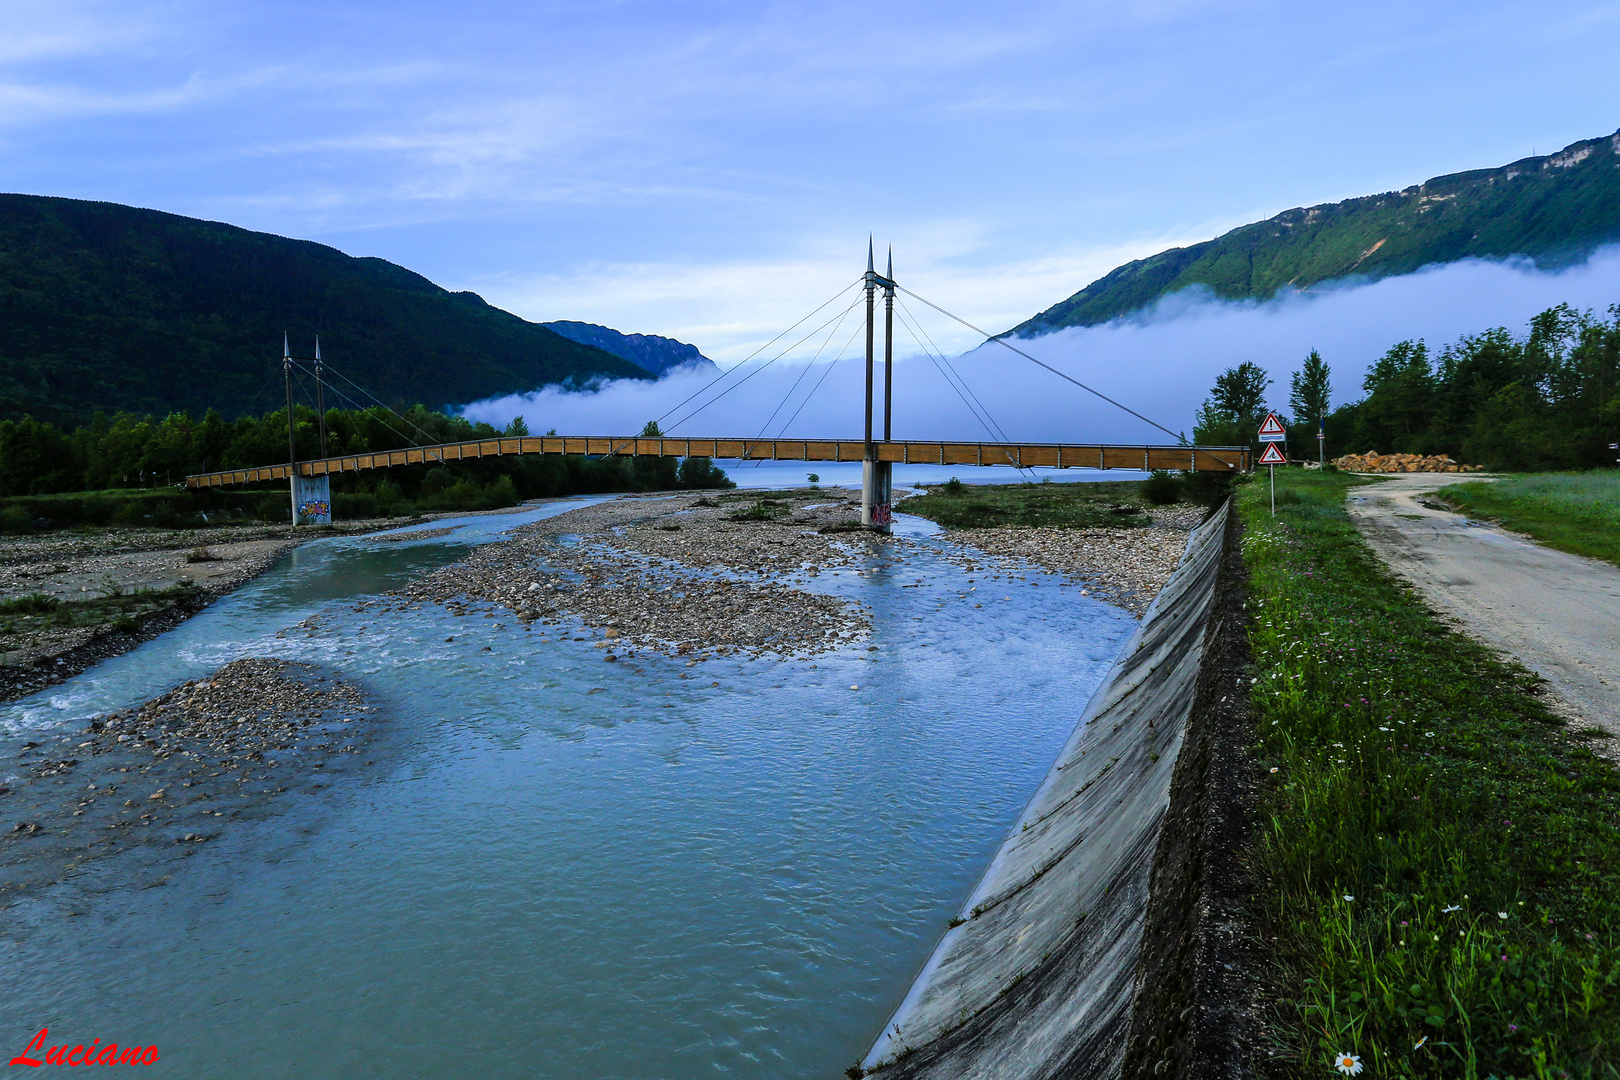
(1556,209)
(133,464)
(112,308)
(1548,398)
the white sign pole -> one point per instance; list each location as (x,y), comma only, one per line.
(1273,469)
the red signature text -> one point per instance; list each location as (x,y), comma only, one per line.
(94,1054)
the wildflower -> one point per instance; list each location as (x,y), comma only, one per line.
(1403,922)
(1419,1044)
(1349,1064)
(1348,898)
(1501,914)
(1449,910)
(1274,769)
(1512,1028)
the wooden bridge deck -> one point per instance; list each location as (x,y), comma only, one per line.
(1022,455)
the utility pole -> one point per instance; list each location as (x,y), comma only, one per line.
(320,397)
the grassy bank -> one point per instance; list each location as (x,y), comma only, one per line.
(1443,855)
(1574,512)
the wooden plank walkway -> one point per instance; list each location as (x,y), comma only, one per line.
(1021,455)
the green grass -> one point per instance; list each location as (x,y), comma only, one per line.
(123,610)
(1422,792)
(1065,506)
(1574,512)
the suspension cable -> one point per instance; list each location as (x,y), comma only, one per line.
(914,325)
(1182,439)
(702,389)
(804,371)
(830,365)
(763,366)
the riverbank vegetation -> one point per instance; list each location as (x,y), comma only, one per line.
(956,505)
(1546,399)
(1574,512)
(1443,853)
(124,469)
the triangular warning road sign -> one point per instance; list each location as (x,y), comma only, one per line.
(1273,427)
(1273,456)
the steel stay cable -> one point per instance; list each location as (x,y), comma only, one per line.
(988,422)
(763,366)
(952,368)
(830,365)
(704,388)
(1182,439)
(402,417)
(996,432)
(409,442)
(788,396)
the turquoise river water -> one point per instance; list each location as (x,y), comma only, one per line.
(556,867)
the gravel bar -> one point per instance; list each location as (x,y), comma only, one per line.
(175,771)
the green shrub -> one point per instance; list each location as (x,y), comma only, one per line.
(1162,488)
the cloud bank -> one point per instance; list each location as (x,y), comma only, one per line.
(1161,364)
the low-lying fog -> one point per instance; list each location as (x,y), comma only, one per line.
(1161,364)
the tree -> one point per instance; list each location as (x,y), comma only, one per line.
(1232,413)
(1309,390)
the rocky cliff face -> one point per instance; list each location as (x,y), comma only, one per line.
(647,351)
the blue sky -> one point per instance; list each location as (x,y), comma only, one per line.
(711,171)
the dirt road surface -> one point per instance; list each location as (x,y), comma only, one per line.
(1558,614)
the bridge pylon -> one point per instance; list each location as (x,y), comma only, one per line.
(877,477)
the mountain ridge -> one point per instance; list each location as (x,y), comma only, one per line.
(652,352)
(107,308)
(1567,206)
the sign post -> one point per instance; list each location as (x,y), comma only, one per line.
(1272,432)
(1273,457)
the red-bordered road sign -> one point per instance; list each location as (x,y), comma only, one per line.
(1271,429)
(1273,456)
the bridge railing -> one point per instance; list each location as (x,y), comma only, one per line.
(911,451)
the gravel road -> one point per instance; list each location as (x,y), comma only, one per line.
(1558,614)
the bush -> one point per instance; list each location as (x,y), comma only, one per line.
(953,486)
(1162,488)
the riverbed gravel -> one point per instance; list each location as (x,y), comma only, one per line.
(701,574)
(175,771)
(1126,567)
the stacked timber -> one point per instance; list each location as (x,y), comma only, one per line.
(1374,462)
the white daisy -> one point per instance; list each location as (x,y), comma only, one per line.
(1349,1064)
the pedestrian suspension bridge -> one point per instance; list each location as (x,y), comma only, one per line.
(310,479)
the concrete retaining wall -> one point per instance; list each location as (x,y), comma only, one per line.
(1037,980)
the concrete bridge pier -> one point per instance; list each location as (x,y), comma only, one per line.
(876,483)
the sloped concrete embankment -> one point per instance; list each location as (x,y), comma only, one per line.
(1037,980)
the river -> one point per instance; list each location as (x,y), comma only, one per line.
(553,867)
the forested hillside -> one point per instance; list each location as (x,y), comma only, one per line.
(1556,209)
(115,309)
